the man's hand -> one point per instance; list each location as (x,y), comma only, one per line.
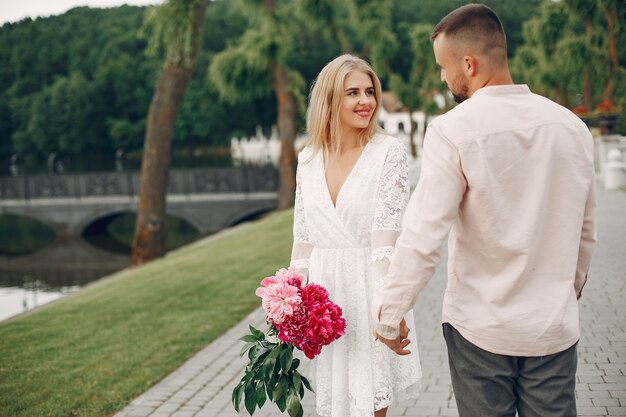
(398,344)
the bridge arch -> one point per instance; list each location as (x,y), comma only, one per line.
(41,217)
(248,215)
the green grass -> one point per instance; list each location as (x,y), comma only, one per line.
(91,353)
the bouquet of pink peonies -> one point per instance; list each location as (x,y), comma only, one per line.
(301,317)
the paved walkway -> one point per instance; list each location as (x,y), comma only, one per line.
(202,387)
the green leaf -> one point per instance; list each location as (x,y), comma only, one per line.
(275,352)
(260,394)
(281,388)
(286,358)
(306,383)
(294,408)
(259,359)
(268,368)
(237,393)
(257,333)
(294,364)
(250,392)
(249,338)
(281,403)
(245,348)
(269,388)
(297,381)
(252,352)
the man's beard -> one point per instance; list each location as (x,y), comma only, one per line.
(462,95)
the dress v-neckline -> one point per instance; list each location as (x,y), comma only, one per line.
(343,185)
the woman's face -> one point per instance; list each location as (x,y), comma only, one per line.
(358,101)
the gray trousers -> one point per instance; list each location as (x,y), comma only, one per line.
(489,385)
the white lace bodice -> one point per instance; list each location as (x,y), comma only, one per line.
(369,206)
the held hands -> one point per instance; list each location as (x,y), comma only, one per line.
(398,344)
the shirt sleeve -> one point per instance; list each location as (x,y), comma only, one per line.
(587,241)
(302,248)
(391,201)
(431,211)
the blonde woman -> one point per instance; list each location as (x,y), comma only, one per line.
(352,188)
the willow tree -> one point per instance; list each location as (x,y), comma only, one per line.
(614,12)
(371,22)
(330,14)
(582,46)
(259,64)
(568,50)
(535,62)
(416,90)
(177,26)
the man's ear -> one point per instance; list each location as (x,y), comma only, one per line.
(470,65)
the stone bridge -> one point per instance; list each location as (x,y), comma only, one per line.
(209,199)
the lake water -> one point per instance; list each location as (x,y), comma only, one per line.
(36,267)
(63,267)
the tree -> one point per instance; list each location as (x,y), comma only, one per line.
(541,50)
(371,20)
(259,60)
(178,25)
(614,15)
(415,92)
(587,10)
(329,14)
(568,51)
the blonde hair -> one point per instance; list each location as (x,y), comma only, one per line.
(322,121)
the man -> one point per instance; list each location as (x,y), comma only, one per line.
(509,174)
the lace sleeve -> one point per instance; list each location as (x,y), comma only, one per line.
(391,200)
(302,248)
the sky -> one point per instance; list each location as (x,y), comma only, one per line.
(14,10)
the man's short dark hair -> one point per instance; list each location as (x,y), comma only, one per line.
(475,24)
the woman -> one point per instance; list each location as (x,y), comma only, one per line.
(352,188)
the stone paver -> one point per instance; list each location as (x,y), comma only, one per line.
(202,387)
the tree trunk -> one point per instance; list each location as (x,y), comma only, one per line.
(610,12)
(340,37)
(149,238)
(587,91)
(411,132)
(287,133)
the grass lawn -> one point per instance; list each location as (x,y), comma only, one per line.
(92,352)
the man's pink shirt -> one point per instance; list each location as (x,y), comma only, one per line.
(509,175)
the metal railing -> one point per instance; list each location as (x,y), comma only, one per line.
(181,182)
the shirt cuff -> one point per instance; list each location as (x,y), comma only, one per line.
(384,329)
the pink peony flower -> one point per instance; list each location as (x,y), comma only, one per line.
(324,322)
(279,301)
(303,316)
(293,329)
(289,275)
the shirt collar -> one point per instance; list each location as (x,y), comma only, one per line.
(503,89)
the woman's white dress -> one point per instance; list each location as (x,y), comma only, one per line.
(346,249)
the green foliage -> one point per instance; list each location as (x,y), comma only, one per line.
(271,373)
(98,60)
(242,72)
(171,26)
(416,91)
(566,51)
(371,20)
(97,57)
